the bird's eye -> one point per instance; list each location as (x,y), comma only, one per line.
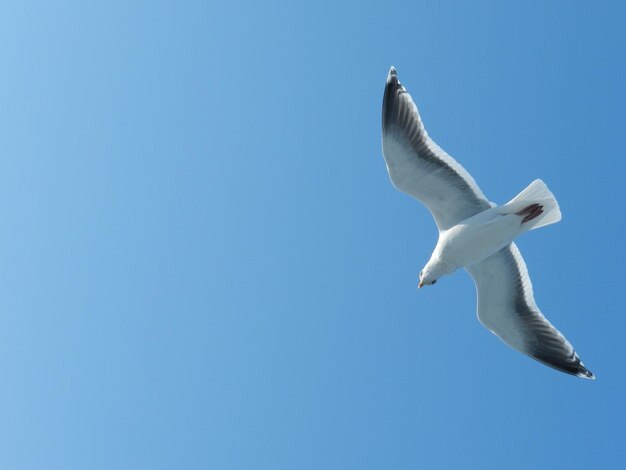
(421,273)
(434,282)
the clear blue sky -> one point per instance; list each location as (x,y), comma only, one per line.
(204,264)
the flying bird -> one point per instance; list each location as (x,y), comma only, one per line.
(475,233)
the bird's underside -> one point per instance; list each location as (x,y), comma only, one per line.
(505,301)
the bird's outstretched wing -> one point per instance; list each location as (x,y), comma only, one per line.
(419,167)
(507,308)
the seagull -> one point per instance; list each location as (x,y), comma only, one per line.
(475,233)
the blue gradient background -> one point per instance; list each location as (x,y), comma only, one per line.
(204,264)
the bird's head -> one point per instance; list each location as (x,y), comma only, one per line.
(434,269)
(427,278)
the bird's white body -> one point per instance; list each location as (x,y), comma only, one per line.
(481,235)
(476,238)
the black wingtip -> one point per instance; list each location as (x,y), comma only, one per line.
(570,365)
(392,90)
(392,75)
(585,373)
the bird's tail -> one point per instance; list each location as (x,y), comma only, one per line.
(537,204)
